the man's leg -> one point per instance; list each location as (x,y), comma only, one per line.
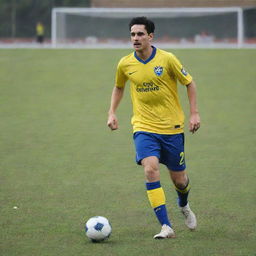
(182,186)
(156,195)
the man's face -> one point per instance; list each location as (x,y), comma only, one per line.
(140,37)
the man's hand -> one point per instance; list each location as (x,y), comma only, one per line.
(112,122)
(194,122)
(116,97)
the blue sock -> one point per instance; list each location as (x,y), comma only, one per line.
(162,216)
(157,200)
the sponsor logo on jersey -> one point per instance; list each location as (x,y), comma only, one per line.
(184,72)
(158,70)
(147,87)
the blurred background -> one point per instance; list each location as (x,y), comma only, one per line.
(18,18)
(28,20)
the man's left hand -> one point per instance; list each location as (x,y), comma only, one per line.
(194,122)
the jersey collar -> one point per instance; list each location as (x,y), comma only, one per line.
(147,60)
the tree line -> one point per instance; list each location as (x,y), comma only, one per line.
(18,18)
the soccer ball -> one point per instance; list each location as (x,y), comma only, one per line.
(98,228)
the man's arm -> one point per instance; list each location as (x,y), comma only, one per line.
(194,120)
(116,97)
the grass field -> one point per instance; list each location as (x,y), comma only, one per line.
(61,165)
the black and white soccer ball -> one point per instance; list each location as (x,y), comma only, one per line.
(98,229)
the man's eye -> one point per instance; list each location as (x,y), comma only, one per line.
(138,34)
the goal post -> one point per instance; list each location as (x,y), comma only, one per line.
(175,27)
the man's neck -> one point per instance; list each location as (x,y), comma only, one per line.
(145,54)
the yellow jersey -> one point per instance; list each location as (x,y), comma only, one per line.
(153,88)
(40,29)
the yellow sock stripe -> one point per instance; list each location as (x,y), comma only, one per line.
(156,197)
(184,191)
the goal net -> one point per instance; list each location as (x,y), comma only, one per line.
(175,27)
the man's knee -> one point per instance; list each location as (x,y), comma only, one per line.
(180,180)
(151,168)
(181,184)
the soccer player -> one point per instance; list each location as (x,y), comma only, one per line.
(158,119)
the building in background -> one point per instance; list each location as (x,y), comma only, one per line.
(172,3)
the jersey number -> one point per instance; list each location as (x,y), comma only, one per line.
(182,158)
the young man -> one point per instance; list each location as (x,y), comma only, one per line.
(158,119)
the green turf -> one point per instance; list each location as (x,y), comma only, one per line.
(61,165)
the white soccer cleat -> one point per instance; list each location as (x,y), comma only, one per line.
(166,232)
(190,220)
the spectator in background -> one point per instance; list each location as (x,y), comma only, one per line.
(40,32)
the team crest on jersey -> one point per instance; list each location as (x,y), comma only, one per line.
(158,70)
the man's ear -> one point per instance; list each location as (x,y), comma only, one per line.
(151,36)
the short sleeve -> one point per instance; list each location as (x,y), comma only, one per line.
(179,72)
(120,75)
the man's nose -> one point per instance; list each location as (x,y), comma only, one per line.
(136,37)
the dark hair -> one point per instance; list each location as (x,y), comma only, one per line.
(149,24)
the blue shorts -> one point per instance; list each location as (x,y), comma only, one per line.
(169,149)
